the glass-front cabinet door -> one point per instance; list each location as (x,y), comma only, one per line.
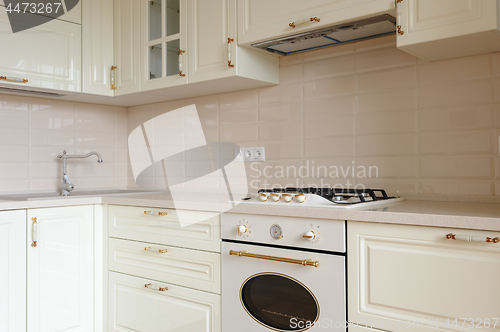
(163,43)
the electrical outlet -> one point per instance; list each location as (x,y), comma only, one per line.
(247,154)
(250,154)
(259,154)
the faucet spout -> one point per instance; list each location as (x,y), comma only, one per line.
(66,186)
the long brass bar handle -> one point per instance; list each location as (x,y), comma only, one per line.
(304,21)
(161,251)
(308,262)
(160,289)
(472,238)
(14,79)
(34,232)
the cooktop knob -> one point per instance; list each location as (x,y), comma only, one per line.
(275,197)
(287,197)
(242,229)
(301,198)
(309,235)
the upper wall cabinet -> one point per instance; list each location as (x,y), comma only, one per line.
(127,47)
(260,20)
(444,29)
(47,56)
(163,43)
(213,50)
(97,39)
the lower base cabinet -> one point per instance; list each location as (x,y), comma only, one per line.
(403,278)
(13,271)
(60,277)
(138,304)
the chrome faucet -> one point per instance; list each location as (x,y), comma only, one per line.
(66,186)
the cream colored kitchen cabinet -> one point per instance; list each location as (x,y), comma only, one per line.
(60,274)
(260,20)
(47,56)
(127,46)
(13,271)
(162,226)
(163,43)
(97,42)
(445,29)
(399,274)
(213,50)
(138,304)
(185,267)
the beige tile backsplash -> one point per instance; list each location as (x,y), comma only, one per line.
(33,131)
(425,127)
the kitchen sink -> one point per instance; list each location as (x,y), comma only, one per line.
(57,195)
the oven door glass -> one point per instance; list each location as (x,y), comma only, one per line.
(279,302)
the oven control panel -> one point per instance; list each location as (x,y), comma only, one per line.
(318,234)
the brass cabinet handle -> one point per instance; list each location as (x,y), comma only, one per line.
(14,79)
(180,63)
(308,262)
(160,289)
(472,238)
(307,20)
(161,251)
(398,17)
(34,232)
(229,57)
(159,213)
(112,78)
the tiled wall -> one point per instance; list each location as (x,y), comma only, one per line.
(33,131)
(427,127)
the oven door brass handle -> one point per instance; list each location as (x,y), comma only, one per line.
(472,238)
(306,262)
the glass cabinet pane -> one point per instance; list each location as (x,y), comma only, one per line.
(155,66)
(173,57)
(173,17)
(154,15)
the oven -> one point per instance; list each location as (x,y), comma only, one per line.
(282,274)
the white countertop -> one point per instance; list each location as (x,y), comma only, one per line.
(480,216)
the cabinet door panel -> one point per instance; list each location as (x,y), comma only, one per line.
(209,29)
(133,307)
(401,273)
(48,55)
(60,270)
(127,30)
(260,20)
(13,271)
(161,62)
(97,46)
(184,267)
(128,222)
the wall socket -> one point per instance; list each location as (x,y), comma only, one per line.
(250,154)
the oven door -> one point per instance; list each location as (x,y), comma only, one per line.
(260,294)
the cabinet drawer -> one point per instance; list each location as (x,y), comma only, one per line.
(400,273)
(132,223)
(185,267)
(133,307)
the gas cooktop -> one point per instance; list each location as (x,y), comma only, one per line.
(311,196)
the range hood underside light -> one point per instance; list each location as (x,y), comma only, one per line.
(330,36)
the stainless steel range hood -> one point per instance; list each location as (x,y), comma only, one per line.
(339,34)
